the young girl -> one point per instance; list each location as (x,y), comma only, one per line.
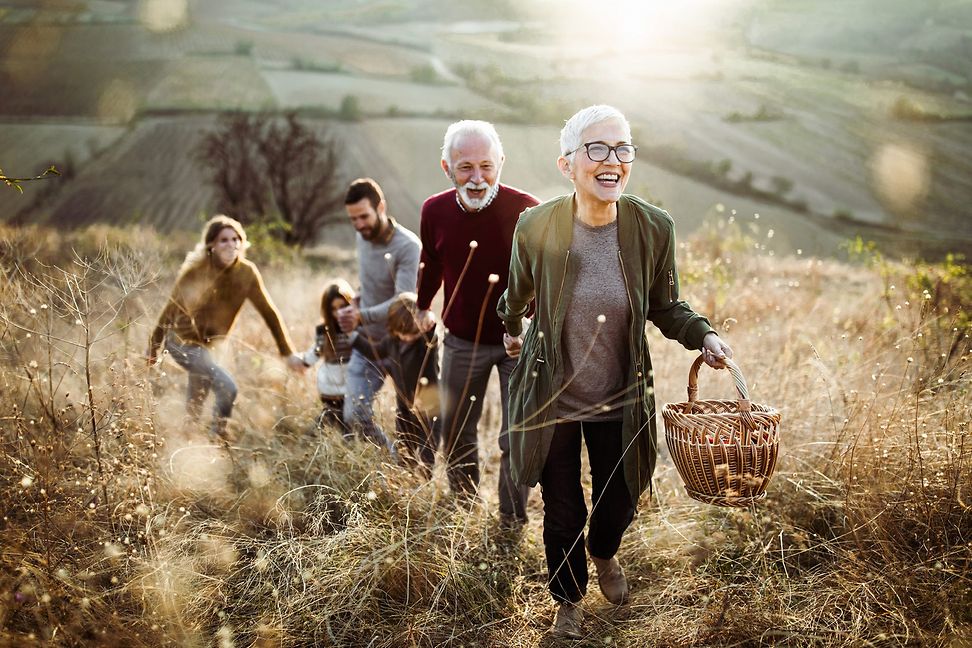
(335,348)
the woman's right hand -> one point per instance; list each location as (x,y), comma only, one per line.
(513,345)
(715,351)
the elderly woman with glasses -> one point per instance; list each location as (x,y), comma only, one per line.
(597,265)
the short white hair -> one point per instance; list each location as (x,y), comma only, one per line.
(573,131)
(466,127)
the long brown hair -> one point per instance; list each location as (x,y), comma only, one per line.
(334,288)
(200,254)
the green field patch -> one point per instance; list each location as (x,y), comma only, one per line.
(147,177)
(294,89)
(217,83)
(71,87)
(29,147)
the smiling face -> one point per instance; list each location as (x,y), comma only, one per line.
(598,182)
(475,170)
(225,248)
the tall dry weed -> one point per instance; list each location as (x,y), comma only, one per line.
(125,524)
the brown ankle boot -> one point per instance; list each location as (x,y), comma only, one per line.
(567,623)
(611,580)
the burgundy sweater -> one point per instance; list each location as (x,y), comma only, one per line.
(446,232)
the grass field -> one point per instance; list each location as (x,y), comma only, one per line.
(157,153)
(835,145)
(109,189)
(294,89)
(29,148)
(125,525)
(221,83)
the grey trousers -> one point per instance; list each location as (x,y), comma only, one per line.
(364,380)
(204,376)
(466,367)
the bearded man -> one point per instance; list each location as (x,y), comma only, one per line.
(388,258)
(467,238)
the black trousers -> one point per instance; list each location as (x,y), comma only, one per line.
(565,509)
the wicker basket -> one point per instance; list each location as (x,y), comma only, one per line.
(724,450)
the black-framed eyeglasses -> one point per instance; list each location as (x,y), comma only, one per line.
(600,151)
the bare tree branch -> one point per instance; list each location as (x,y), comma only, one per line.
(15,182)
(266,168)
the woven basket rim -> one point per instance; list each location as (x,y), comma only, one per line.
(725,500)
(756,408)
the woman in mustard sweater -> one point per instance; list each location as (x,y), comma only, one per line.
(212,285)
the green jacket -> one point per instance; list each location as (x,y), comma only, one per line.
(542,271)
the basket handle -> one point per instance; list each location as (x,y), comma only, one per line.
(746,418)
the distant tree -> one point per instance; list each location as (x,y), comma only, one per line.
(907,109)
(270,169)
(746,181)
(781,185)
(843,214)
(350,109)
(425,74)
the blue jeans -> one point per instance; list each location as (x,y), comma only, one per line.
(466,367)
(364,380)
(204,376)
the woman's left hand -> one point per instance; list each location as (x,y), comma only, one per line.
(715,351)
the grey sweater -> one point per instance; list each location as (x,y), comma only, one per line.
(595,353)
(385,269)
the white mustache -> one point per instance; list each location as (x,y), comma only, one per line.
(483,186)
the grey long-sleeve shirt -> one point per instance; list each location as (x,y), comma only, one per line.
(385,270)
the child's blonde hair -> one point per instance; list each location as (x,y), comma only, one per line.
(403,314)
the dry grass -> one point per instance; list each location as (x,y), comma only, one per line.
(124,525)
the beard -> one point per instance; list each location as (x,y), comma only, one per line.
(373,232)
(475,204)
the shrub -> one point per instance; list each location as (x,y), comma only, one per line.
(350,109)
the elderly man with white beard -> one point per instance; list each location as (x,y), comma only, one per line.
(467,238)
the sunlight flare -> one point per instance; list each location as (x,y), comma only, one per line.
(163,15)
(901,176)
